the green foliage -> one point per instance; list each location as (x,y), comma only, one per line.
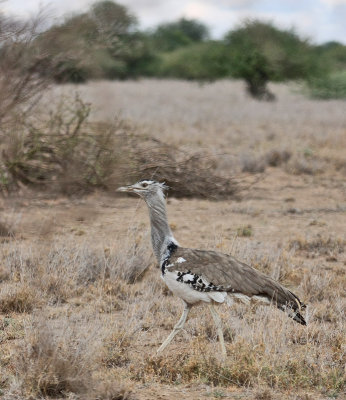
(260,53)
(171,36)
(101,43)
(201,61)
(331,86)
(105,43)
(333,54)
(112,20)
(245,231)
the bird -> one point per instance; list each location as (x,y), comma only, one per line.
(203,276)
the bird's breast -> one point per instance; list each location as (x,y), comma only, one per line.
(185,289)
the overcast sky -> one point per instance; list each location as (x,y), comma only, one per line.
(319,20)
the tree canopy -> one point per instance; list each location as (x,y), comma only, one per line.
(170,36)
(260,52)
(101,43)
(105,42)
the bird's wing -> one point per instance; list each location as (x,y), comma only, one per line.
(227,273)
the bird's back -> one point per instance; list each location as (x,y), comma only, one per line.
(210,271)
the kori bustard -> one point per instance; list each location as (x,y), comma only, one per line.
(206,276)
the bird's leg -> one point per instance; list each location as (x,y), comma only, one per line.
(218,324)
(176,328)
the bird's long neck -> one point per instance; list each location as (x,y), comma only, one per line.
(161,234)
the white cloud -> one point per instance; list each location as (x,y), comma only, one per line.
(321,20)
(334,2)
(234,3)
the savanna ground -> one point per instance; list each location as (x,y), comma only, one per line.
(82,305)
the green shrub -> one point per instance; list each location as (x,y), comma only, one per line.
(101,43)
(334,54)
(174,35)
(328,87)
(260,53)
(202,61)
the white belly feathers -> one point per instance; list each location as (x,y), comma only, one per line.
(187,293)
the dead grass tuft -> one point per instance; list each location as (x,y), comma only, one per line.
(110,389)
(116,349)
(4,274)
(319,246)
(275,158)
(263,395)
(4,230)
(55,361)
(308,165)
(254,164)
(18,297)
(319,284)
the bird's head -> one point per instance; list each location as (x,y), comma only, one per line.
(145,188)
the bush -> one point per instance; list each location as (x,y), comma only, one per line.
(334,54)
(102,43)
(20,62)
(60,149)
(260,53)
(186,175)
(65,152)
(202,61)
(174,35)
(328,87)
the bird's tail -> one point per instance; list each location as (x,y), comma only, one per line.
(294,308)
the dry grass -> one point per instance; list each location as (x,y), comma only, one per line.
(57,273)
(220,116)
(320,245)
(65,350)
(52,363)
(57,359)
(83,308)
(18,297)
(62,151)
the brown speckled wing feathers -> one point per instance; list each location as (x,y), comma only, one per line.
(233,275)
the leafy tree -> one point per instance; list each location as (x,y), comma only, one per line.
(205,61)
(112,20)
(260,53)
(101,43)
(170,36)
(333,54)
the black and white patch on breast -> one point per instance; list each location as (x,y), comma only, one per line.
(191,279)
(197,282)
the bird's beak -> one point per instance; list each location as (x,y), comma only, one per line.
(125,189)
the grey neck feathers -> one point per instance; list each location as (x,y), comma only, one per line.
(161,234)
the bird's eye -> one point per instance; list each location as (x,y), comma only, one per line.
(144,185)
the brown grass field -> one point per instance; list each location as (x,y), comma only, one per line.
(82,305)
